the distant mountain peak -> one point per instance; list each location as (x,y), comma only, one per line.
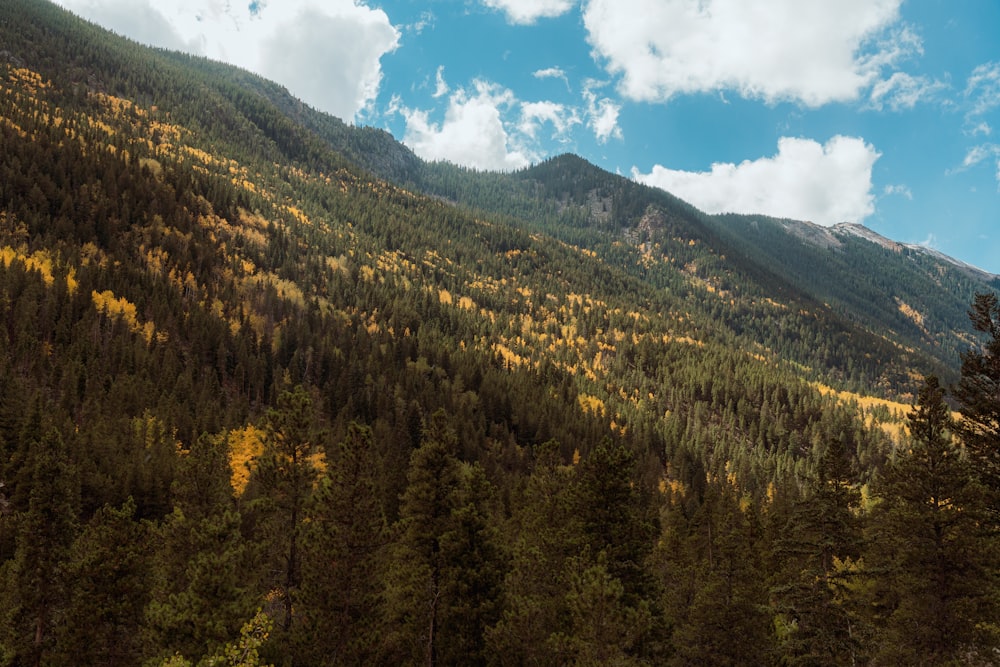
(860,231)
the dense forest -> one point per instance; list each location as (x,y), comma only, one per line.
(275,391)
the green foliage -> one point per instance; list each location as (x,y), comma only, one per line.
(343,543)
(107,572)
(577,420)
(36,580)
(286,475)
(714,581)
(978,394)
(822,530)
(444,572)
(938,563)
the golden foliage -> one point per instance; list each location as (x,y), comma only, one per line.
(245,445)
(106,302)
(40,262)
(591,404)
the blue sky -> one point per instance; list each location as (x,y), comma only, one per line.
(883,112)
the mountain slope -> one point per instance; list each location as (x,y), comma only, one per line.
(846,276)
(222,232)
(254,359)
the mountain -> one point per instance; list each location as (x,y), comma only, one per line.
(272,386)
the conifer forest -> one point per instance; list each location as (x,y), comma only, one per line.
(275,391)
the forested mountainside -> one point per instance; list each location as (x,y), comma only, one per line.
(274,391)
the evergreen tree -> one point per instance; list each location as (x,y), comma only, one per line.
(35,580)
(443,573)
(613,515)
(107,574)
(201,591)
(287,473)
(937,565)
(343,542)
(603,629)
(534,609)
(718,601)
(810,589)
(978,395)
(474,570)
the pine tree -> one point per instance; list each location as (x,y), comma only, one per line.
(602,628)
(107,574)
(535,588)
(978,395)
(940,583)
(342,544)
(810,589)
(614,516)
(719,602)
(201,585)
(287,473)
(36,580)
(443,573)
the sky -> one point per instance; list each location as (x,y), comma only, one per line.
(879,112)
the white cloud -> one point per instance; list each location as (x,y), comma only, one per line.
(528,11)
(978,154)
(812,51)
(983,88)
(602,113)
(982,128)
(441,86)
(549,73)
(327,53)
(426,20)
(902,91)
(562,119)
(900,190)
(825,184)
(331,59)
(472,134)
(135,19)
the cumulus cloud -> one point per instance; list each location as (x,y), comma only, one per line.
(528,11)
(327,53)
(472,134)
(806,180)
(812,51)
(902,91)
(602,113)
(330,59)
(137,20)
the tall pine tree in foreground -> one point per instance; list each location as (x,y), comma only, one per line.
(935,562)
(287,474)
(107,575)
(444,571)
(978,395)
(201,591)
(821,532)
(343,542)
